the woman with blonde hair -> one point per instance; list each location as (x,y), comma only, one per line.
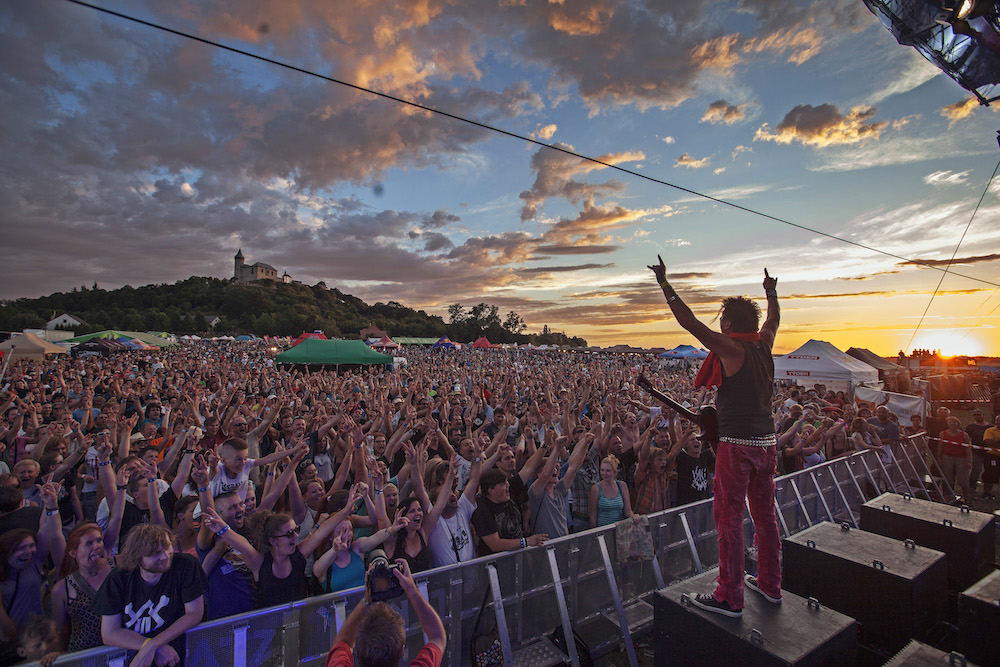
(609,499)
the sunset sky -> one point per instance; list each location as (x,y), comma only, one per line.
(131,156)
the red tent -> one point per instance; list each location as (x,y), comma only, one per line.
(481,343)
(315,334)
(385,344)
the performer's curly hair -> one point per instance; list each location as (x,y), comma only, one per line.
(742,313)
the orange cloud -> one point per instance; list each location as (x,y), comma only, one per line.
(823,125)
(721,111)
(718,53)
(804,43)
(959,110)
(685,160)
(554,177)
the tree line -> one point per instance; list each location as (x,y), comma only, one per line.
(263,308)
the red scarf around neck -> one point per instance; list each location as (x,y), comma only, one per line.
(710,373)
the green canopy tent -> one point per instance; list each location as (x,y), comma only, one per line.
(312,351)
(153,339)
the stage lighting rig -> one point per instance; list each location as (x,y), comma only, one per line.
(961,37)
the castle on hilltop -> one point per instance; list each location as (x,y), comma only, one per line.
(244,273)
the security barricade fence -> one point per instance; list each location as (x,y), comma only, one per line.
(574,583)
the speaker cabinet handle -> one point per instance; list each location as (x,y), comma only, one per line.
(756,637)
(878,565)
(947,523)
(907,496)
(886,508)
(964,509)
(811,544)
(844,526)
(956,659)
(909,544)
(813,603)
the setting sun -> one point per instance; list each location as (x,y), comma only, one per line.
(949,344)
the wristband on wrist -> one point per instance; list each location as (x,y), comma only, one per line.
(51,509)
(771,292)
(378,491)
(202,489)
(665,284)
(524,542)
(222,531)
(121,487)
(101,464)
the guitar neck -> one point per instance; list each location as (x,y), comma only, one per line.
(663,398)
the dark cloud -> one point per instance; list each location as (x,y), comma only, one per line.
(823,125)
(582,249)
(721,111)
(544,270)
(976,259)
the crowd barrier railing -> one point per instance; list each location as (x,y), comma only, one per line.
(574,583)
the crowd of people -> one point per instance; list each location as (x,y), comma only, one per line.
(143,493)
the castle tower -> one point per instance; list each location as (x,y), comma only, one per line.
(238,264)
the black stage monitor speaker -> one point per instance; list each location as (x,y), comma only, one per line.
(796,632)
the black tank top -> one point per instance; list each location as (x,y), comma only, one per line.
(418,563)
(745,398)
(273,591)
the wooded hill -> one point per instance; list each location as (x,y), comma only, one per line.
(263,308)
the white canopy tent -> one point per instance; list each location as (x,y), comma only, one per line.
(819,362)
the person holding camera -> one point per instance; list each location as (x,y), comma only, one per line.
(375,635)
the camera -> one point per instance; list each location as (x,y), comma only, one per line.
(381,581)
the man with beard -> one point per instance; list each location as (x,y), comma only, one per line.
(151,598)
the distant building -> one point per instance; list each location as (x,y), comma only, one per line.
(65,321)
(244,273)
(372,331)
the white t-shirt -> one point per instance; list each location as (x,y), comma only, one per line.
(453,535)
(223,483)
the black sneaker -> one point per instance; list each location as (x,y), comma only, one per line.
(751,582)
(708,602)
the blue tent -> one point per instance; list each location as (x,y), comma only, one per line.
(131,344)
(245,337)
(684,352)
(443,344)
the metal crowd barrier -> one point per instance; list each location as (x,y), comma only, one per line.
(572,583)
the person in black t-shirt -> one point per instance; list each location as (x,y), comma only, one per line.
(146,507)
(497,518)
(695,464)
(151,598)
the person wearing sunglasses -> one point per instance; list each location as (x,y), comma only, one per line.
(277,559)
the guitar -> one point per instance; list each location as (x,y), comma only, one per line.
(706,418)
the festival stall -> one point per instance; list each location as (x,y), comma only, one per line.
(384,343)
(29,346)
(819,362)
(306,335)
(481,343)
(444,343)
(153,339)
(895,377)
(339,353)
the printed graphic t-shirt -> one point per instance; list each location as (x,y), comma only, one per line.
(150,609)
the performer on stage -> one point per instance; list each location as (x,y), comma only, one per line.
(740,365)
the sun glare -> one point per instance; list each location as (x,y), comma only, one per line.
(950,345)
